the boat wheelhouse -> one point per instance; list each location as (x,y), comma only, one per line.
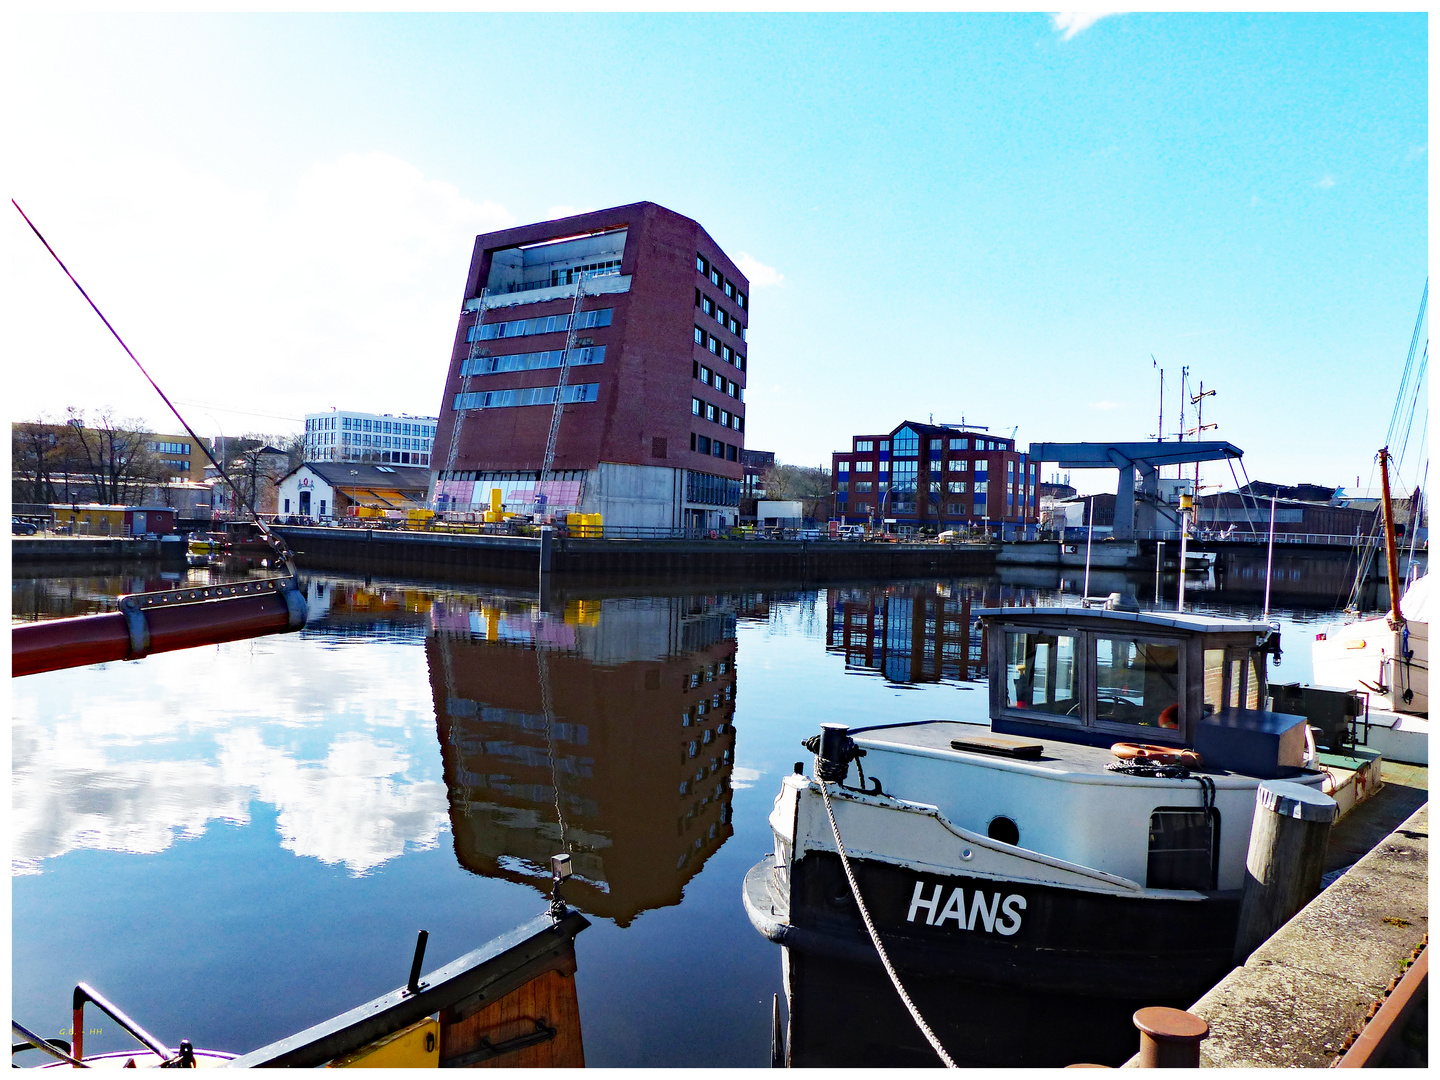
(1090,839)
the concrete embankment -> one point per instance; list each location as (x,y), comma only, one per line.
(501,557)
(94,549)
(1305,993)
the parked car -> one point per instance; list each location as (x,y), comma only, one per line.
(851,532)
(20,527)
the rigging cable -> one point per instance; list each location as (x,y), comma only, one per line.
(1409,362)
(870,927)
(281,551)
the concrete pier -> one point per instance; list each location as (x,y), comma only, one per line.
(1307,991)
(77,549)
(470,555)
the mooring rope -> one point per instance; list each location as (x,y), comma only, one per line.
(874,937)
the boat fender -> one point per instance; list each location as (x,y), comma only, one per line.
(1156,755)
(138,628)
(295,604)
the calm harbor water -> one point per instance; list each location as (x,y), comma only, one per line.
(236,842)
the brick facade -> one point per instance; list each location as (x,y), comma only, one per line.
(925,476)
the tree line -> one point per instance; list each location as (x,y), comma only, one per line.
(109,459)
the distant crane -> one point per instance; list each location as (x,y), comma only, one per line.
(548,462)
(467,368)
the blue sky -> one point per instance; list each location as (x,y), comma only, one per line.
(977,216)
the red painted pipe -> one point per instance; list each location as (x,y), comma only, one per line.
(97,639)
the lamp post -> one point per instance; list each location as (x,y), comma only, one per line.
(1186,504)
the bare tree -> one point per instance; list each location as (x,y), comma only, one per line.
(40,452)
(257,469)
(808,485)
(294,448)
(114,455)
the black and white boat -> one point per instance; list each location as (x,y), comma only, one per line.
(1090,840)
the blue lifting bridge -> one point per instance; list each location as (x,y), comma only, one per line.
(1133,458)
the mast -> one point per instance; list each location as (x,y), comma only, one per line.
(1395,618)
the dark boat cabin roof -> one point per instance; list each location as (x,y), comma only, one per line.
(1100,676)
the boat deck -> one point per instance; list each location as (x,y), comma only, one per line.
(1056,756)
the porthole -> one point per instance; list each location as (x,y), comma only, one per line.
(1004,830)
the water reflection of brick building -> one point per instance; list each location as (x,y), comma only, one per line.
(910,634)
(606,732)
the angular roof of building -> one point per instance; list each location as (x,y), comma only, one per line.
(346,474)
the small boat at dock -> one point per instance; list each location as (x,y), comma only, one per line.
(509,1003)
(1090,840)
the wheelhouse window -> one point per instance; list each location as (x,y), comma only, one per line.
(1041,674)
(1137,682)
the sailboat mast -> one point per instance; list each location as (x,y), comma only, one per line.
(1391,560)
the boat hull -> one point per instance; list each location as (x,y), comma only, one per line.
(1003,933)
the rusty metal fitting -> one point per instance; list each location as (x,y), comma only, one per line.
(1169,1038)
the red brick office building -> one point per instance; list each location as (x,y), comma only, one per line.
(935,477)
(653,419)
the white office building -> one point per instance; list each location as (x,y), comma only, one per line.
(369,437)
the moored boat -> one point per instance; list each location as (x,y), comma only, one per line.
(1090,840)
(511,1002)
(1386,657)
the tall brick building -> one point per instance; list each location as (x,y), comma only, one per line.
(936,477)
(653,415)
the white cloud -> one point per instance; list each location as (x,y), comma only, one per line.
(759,274)
(347,274)
(1325,183)
(742,777)
(1075,22)
(140,774)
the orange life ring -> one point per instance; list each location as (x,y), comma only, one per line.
(1155,755)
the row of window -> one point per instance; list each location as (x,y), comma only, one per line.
(531,395)
(392,442)
(178,466)
(544,324)
(568,276)
(171,448)
(532,361)
(384,427)
(708,488)
(936,466)
(705,270)
(715,379)
(703,444)
(719,348)
(723,417)
(910,467)
(909,442)
(719,314)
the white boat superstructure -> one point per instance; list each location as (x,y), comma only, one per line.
(1389,661)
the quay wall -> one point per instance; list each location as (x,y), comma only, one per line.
(1307,990)
(518,557)
(31,549)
